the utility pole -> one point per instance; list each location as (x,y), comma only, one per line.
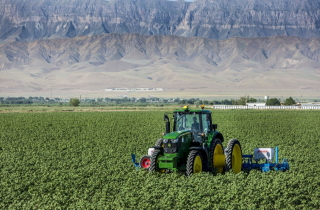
(301,99)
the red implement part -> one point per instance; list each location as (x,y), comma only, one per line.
(145,162)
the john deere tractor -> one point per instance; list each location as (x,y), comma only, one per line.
(193,146)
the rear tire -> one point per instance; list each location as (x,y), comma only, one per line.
(234,156)
(194,162)
(216,149)
(154,162)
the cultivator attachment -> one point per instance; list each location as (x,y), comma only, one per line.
(144,161)
(264,153)
(133,156)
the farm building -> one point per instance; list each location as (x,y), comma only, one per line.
(310,104)
(256,104)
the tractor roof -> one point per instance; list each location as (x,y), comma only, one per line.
(191,111)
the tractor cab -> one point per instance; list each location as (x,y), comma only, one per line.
(197,121)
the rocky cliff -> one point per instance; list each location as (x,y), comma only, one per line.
(25,20)
(104,48)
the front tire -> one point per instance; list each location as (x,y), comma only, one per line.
(194,162)
(159,143)
(154,161)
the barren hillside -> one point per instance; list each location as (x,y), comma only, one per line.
(178,64)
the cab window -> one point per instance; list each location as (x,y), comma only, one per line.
(205,123)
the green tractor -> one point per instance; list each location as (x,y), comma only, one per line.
(193,146)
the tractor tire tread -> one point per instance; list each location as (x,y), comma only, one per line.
(190,161)
(213,146)
(153,160)
(229,150)
(159,142)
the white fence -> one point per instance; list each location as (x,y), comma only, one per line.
(263,107)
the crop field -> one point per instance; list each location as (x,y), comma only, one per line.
(82,160)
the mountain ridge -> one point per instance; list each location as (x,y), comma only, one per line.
(215,19)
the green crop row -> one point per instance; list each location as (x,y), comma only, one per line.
(83,161)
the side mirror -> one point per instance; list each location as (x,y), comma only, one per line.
(166,118)
(214,126)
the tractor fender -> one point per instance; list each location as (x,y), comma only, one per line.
(217,135)
(204,155)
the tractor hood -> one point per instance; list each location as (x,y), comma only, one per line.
(175,134)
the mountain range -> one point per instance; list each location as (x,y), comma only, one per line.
(205,48)
(25,20)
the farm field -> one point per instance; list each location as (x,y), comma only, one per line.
(59,160)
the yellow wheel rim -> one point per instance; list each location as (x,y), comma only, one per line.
(236,159)
(197,165)
(161,171)
(218,158)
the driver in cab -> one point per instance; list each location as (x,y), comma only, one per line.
(195,125)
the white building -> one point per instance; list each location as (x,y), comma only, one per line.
(256,104)
(310,104)
(135,89)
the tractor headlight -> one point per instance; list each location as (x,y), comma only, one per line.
(165,141)
(174,141)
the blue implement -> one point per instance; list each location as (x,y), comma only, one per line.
(247,164)
(133,156)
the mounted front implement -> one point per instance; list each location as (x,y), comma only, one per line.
(193,146)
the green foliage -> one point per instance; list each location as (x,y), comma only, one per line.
(273,102)
(289,101)
(241,101)
(252,100)
(142,100)
(74,102)
(244,101)
(83,161)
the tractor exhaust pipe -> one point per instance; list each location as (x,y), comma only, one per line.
(166,118)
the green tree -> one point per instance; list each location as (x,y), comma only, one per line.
(190,101)
(143,100)
(289,101)
(273,102)
(226,102)
(241,101)
(74,102)
(252,100)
